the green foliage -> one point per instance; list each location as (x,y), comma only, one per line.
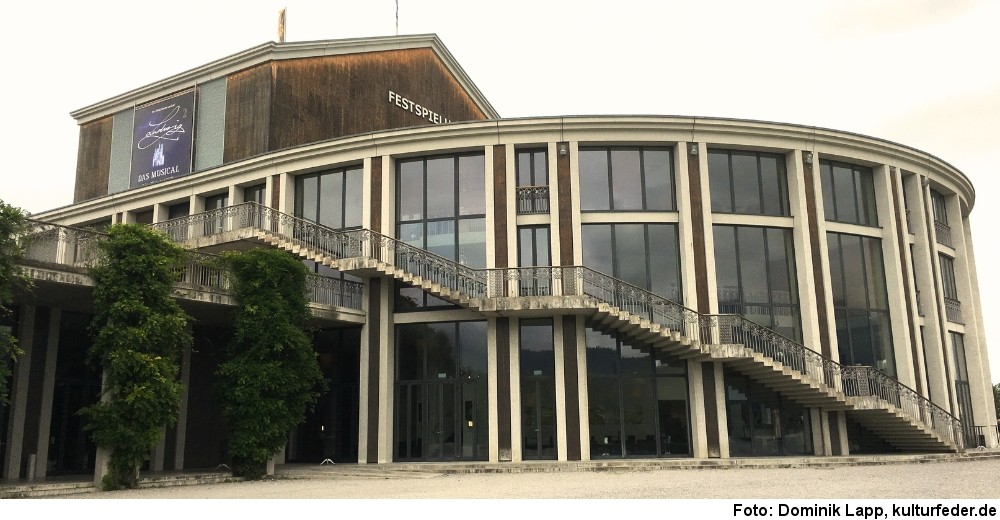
(996,398)
(271,376)
(12,223)
(139,330)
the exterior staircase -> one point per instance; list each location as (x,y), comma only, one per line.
(875,400)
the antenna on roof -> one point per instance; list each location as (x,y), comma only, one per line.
(397,17)
(281,25)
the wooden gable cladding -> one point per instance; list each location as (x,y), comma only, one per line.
(93,163)
(325,97)
(248,113)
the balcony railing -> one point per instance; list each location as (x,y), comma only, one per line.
(953,310)
(79,249)
(532,199)
(920,304)
(943,232)
(479,288)
(909,225)
(984,435)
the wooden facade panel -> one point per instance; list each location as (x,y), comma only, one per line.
(93,163)
(248,113)
(320,98)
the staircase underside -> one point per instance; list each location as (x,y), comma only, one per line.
(878,416)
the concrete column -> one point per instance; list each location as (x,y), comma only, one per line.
(924,268)
(180,442)
(722,421)
(940,316)
(895,290)
(696,391)
(516,449)
(387,372)
(560,369)
(19,394)
(48,391)
(820,434)
(492,390)
(981,390)
(364,385)
(584,395)
(804,266)
(982,370)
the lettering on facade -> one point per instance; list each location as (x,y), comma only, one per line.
(416,108)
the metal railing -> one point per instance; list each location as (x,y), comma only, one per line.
(953,310)
(983,435)
(462,282)
(532,199)
(920,304)
(943,232)
(66,246)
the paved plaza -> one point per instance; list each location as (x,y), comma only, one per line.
(975,479)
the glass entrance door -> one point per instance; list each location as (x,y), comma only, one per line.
(441,421)
(538,418)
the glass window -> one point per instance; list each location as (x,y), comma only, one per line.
(626,179)
(948,277)
(857,277)
(532,168)
(644,255)
(451,192)
(762,423)
(331,198)
(747,182)
(638,400)
(848,193)
(755,276)
(254,193)
(939,208)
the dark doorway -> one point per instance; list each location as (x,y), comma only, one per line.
(330,431)
(77,385)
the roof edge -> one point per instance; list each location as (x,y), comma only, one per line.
(271,51)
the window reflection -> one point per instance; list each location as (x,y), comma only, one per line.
(860,301)
(747,182)
(626,179)
(848,193)
(645,255)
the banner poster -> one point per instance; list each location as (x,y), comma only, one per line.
(162,140)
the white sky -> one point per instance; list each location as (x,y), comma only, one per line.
(918,72)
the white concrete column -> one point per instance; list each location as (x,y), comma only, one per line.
(720,406)
(981,391)
(945,351)
(48,391)
(584,394)
(893,269)
(516,450)
(685,229)
(924,269)
(492,390)
(17,412)
(982,369)
(824,255)
(387,372)
(363,380)
(180,441)
(804,268)
(699,428)
(560,369)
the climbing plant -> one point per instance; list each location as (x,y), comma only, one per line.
(12,223)
(270,376)
(139,331)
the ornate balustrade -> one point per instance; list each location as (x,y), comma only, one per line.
(943,232)
(47,243)
(953,310)
(532,199)
(522,282)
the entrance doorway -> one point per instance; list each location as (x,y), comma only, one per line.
(441,407)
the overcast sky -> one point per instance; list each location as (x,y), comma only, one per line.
(919,72)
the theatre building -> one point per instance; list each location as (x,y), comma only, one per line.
(504,290)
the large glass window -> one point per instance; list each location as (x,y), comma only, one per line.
(538,389)
(762,423)
(860,301)
(254,193)
(755,276)
(747,182)
(848,193)
(962,391)
(441,407)
(442,209)
(331,198)
(638,400)
(644,255)
(626,179)
(948,277)
(939,208)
